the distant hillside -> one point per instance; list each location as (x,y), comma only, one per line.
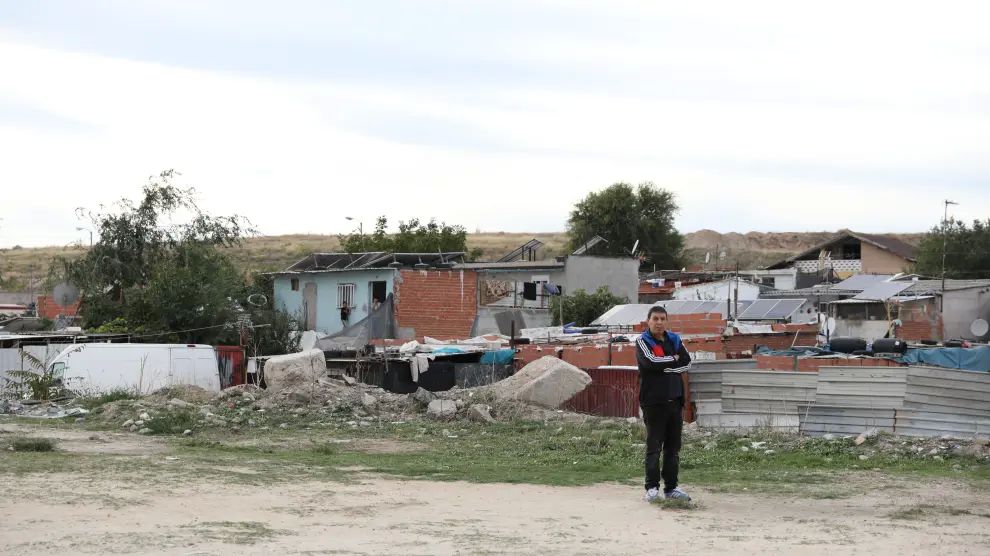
(759,249)
(750,250)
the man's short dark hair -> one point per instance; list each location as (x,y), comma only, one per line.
(655,309)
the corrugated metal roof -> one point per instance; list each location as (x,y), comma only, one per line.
(368,260)
(513,265)
(861,282)
(881,291)
(935,286)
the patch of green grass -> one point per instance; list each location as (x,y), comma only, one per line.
(326,449)
(922,511)
(172,422)
(235,532)
(676,504)
(93,402)
(33,444)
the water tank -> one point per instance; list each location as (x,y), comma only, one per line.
(889,345)
(847,345)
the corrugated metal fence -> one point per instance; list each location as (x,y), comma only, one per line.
(913,401)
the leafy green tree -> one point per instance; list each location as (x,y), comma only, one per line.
(413,236)
(582,307)
(274,332)
(194,288)
(623,215)
(967,250)
(156,274)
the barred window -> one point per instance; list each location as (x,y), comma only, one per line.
(345,294)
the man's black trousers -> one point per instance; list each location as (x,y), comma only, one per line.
(663,433)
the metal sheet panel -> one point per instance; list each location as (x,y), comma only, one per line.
(926,423)
(860,282)
(822,419)
(612,393)
(862,387)
(767,392)
(232,363)
(882,291)
(785,308)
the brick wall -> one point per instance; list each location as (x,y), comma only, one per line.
(921,328)
(693,323)
(438,303)
(812,364)
(48,308)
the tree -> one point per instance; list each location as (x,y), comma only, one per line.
(153,275)
(967,250)
(582,308)
(274,332)
(413,237)
(622,215)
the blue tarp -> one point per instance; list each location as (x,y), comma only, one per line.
(969,359)
(500,357)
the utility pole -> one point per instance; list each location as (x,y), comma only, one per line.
(945,238)
(82,229)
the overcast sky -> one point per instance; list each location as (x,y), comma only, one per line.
(497,115)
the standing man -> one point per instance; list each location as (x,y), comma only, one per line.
(662,357)
(345,314)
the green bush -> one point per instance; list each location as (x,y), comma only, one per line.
(33,444)
(174,422)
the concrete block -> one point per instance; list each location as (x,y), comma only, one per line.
(296,369)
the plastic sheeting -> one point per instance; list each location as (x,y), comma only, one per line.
(968,359)
(500,357)
(380,323)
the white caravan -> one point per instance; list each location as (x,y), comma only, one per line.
(139,368)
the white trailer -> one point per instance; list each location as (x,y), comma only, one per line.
(139,368)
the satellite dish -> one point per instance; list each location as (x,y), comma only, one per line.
(979,328)
(65,294)
(258,299)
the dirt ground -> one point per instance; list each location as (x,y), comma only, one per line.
(95,512)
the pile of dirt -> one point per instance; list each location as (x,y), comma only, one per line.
(186,393)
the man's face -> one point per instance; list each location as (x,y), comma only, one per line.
(658,324)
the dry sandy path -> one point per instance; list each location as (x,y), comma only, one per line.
(377,515)
(175,511)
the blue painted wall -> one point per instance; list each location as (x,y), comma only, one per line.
(327,313)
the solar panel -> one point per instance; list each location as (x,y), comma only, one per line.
(784,309)
(690,307)
(712,307)
(883,290)
(758,310)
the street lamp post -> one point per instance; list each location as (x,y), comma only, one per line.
(945,238)
(80,229)
(360,224)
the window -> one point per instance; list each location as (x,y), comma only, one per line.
(345,294)
(295,284)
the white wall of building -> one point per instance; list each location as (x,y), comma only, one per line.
(717,291)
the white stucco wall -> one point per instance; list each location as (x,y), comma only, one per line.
(717,291)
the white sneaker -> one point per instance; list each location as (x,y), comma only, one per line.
(652,494)
(677,494)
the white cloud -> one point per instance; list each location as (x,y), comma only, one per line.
(758,119)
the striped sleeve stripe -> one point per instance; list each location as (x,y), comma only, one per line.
(679,370)
(649,354)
